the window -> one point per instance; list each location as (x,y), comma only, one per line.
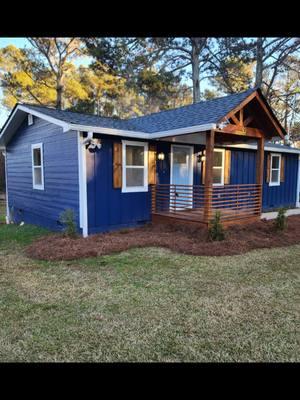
(275,170)
(218,167)
(135,166)
(30,119)
(37,166)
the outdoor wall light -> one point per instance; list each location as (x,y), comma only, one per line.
(201,156)
(161,156)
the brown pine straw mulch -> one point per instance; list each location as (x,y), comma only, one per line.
(179,238)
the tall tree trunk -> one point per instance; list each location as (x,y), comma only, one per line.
(259,62)
(195,69)
(59,92)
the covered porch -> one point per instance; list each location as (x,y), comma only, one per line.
(174,201)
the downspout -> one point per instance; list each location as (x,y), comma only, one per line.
(298,185)
(83,212)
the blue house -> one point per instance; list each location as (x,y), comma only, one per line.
(177,165)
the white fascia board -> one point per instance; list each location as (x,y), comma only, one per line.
(182,131)
(143,135)
(267,148)
(38,114)
(108,131)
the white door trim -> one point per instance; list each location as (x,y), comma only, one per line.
(191,171)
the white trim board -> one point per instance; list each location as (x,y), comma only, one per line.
(267,148)
(83,211)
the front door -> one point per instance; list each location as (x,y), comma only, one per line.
(181,175)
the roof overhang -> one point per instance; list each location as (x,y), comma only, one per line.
(264,106)
(20,111)
(268,147)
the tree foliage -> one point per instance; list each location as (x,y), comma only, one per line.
(135,76)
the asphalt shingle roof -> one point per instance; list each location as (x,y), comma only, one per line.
(204,112)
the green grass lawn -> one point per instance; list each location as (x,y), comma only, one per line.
(148,305)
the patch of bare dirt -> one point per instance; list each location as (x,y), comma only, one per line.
(180,238)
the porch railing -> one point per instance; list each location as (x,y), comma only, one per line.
(193,202)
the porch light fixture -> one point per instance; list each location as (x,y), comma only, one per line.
(201,156)
(161,156)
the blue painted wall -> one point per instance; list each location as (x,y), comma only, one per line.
(109,208)
(42,207)
(243,170)
(283,195)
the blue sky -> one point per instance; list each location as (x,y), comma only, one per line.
(21,43)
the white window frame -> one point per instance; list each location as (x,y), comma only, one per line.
(132,189)
(30,119)
(275,169)
(222,167)
(40,147)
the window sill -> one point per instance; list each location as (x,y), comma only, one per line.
(274,184)
(135,189)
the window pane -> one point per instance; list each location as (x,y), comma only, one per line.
(37,157)
(134,177)
(179,156)
(218,155)
(275,162)
(37,176)
(217,175)
(275,176)
(135,155)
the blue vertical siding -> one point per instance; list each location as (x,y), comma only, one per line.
(243,167)
(243,170)
(109,208)
(61,187)
(283,195)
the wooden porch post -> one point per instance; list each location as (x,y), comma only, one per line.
(210,142)
(260,166)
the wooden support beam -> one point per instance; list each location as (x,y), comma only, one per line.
(243,131)
(242,117)
(241,105)
(235,120)
(208,183)
(260,167)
